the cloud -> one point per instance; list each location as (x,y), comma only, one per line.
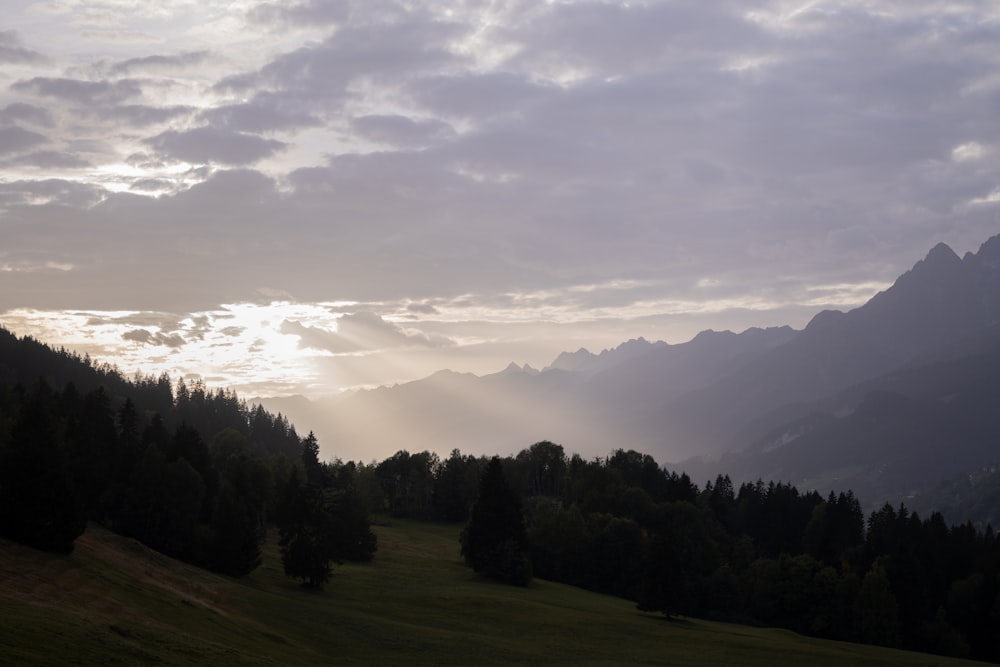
(48,160)
(401,130)
(16,139)
(27,113)
(317,76)
(480,95)
(141,115)
(51,191)
(357,332)
(152,185)
(159,338)
(508,154)
(79,91)
(11,51)
(264,113)
(212,145)
(422,309)
(309,12)
(161,63)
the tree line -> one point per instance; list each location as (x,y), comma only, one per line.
(194,474)
(760,553)
(200,475)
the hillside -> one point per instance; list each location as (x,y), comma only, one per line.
(890,438)
(115,602)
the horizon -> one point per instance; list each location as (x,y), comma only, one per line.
(305,198)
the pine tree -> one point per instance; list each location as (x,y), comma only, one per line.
(39,505)
(494,542)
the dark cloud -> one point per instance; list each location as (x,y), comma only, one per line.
(78,91)
(13,53)
(51,191)
(480,95)
(141,115)
(159,338)
(264,113)
(139,320)
(27,113)
(357,332)
(160,63)
(309,12)
(602,38)
(16,139)
(402,131)
(152,185)
(422,309)
(227,186)
(49,160)
(213,145)
(321,75)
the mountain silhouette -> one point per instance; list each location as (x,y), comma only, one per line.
(875,397)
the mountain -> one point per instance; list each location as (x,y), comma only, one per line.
(591,402)
(893,437)
(889,398)
(942,299)
(584,361)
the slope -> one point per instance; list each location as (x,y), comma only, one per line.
(114,602)
(895,436)
(941,300)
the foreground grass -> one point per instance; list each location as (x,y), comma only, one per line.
(115,602)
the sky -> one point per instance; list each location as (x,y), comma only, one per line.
(305,197)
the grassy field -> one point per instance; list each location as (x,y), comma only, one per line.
(115,602)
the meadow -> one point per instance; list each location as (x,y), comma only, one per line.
(114,601)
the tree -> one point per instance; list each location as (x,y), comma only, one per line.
(39,505)
(305,533)
(238,523)
(237,534)
(680,551)
(455,487)
(878,612)
(310,461)
(494,541)
(319,526)
(543,466)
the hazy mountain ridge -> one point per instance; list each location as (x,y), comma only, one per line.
(899,433)
(868,398)
(602,404)
(941,300)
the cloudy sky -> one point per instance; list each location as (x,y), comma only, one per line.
(303,196)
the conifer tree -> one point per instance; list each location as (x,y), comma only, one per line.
(39,505)
(494,542)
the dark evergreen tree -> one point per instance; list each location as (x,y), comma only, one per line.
(455,487)
(311,463)
(307,533)
(494,542)
(39,505)
(354,539)
(543,469)
(238,533)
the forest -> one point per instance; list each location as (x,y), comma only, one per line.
(202,476)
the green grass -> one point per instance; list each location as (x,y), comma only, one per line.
(115,602)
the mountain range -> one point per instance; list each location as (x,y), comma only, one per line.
(889,398)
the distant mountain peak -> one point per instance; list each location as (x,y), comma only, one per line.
(989,252)
(942,254)
(823,319)
(514,369)
(571,361)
